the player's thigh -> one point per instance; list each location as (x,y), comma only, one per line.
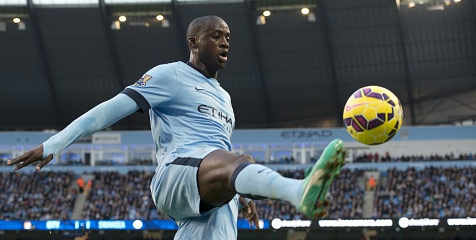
(220,224)
(215,173)
(175,190)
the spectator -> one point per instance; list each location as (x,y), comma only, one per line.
(89,184)
(80,183)
(371,183)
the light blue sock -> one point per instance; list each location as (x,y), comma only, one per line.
(257,181)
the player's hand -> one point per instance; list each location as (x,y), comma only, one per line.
(250,212)
(34,155)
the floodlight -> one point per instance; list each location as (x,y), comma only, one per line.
(261,20)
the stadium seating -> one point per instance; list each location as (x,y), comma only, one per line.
(362,158)
(39,196)
(432,192)
(375,157)
(121,196)
(346,199)
(127,196)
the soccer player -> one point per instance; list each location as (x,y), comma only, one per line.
(199,182)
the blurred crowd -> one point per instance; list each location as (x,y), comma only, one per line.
(375,157)
(134,161)
(137,161)
(121,196)
(39,196)
(127,196)
(432,192)
(71,162)
(283,160)
(363,158)
(345,197)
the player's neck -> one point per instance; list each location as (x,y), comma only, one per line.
(199,66)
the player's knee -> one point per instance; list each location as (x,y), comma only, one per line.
(246,158)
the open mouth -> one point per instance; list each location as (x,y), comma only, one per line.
(223,56)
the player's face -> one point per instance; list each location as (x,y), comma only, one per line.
(214,44)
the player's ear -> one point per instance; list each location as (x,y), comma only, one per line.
(192,42)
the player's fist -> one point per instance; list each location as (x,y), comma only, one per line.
(29,157)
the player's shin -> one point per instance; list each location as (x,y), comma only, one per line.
(257,181)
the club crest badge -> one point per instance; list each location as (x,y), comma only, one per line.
(143,80)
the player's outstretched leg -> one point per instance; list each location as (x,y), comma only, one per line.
(222,174)
(308,195)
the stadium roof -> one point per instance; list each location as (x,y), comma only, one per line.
(284,70)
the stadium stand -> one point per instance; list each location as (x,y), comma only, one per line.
(346,198)
(111,192)
(375,157)
(121,196)
(39,196)
(432,192)
(362,158)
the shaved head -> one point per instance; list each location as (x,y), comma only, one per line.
(200,24)
(208,39)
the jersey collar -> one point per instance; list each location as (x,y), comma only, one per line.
(198,70)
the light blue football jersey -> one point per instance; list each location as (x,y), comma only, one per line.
(190,115)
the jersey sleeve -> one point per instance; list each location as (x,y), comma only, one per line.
(155,88)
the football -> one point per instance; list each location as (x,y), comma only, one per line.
(373,115)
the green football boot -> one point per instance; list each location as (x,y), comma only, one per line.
(319,178)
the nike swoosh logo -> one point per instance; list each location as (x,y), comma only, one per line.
(260,171)
(348,108)
(199,89)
